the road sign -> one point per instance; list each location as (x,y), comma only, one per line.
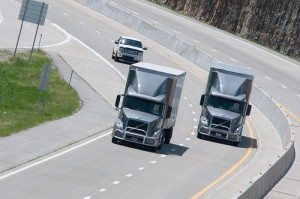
(33,12)
(44,76)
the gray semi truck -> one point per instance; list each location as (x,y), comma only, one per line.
(225,103)
(149,105)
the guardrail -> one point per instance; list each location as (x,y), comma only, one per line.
(265,180)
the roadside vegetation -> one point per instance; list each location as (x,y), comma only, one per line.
(20,105)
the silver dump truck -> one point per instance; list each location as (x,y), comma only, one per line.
(149,105)
(225,103)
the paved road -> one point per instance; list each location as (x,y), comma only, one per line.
(102,169)
(278,75)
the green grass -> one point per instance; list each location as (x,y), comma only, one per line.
(19,106)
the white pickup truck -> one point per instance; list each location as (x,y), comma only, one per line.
(128,49)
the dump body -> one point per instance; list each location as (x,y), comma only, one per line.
(150,104)
(225,103)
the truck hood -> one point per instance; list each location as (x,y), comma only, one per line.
(223,113)
(140,116)
(131,47)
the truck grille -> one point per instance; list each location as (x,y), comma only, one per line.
(220,123)
(131,51)
(134,138)
(137,127)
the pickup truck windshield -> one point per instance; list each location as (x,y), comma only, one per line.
(131,42)
(225,104)
(143,105)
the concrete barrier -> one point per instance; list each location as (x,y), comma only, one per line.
(264,181)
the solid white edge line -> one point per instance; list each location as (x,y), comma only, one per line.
(92,51)
(52,157)
(115,4)
(155,22)
(1,17)
(214,50)
(267,77)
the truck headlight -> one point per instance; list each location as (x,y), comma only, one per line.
(204,121)
(119,124)
(156,133)
(239,130)
(121,49)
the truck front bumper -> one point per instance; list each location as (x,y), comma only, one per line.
(135,138)
(129,57)
(216,133)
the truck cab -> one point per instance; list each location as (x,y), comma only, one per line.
(149,105)
(225,103)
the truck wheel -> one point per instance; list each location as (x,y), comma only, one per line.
(200,136)
(168,135)
(233,143)
(159,147)
(153,149)
(114,140)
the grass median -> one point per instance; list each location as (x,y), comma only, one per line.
(20,105)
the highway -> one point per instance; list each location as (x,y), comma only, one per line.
(101,169)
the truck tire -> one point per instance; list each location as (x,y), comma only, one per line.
(168,135)
(114,140)
(153,149)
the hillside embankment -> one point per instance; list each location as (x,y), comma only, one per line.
(272,23)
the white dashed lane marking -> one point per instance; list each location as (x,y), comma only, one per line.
(187,139)
(65,14)
(232,59)
(282,86)
(116,182)
(195,120)
(192,133)
(82,23)
(102,190)
(194,112)
(141,168)
(190,105)
(96,31)
(185,98)
(128,175)
(87,197)
(214,50)
(163,156)
(195,127)
(113,3)
(153,162)
(267,77)
(298,95)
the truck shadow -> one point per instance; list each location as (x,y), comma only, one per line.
(166,149)
(172,149)
(246,142)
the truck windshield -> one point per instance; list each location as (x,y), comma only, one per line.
(225,104)
(131,42)
(143,105)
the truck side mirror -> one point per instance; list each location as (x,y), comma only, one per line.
(202,99)
(169,111)
(118,98)
(145,48)
(116,42)
(249,109)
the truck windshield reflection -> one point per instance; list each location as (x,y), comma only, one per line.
(226,104)
(143,105)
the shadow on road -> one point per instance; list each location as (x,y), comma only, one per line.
(245,142)
(167,149)
(172,149)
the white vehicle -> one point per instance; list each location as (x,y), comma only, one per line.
(128,49)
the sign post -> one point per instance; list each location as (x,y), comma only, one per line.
(33,12)
(44,78)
